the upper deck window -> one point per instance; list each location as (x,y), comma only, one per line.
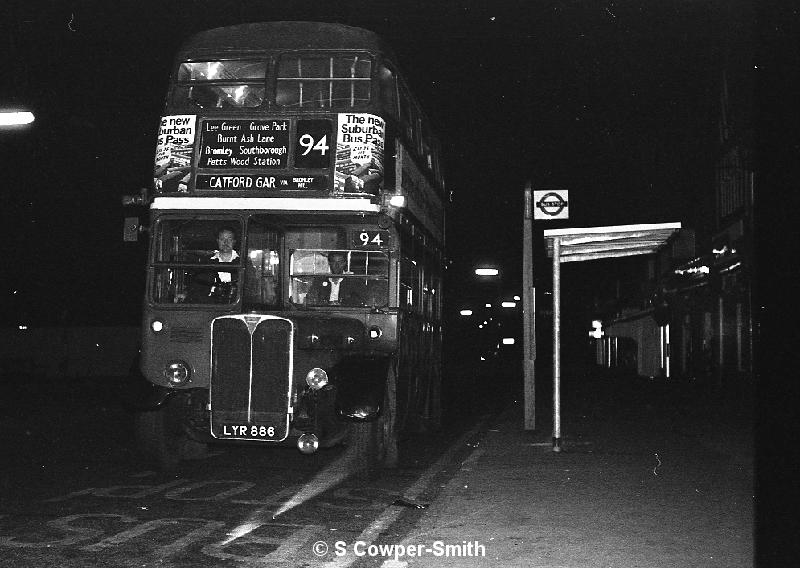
(221,84)
(314,81)
(231,70)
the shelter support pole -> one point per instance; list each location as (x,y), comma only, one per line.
(557,344)
(529,313)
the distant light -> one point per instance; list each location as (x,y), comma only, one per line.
(23,327)
(15,118)
(483,358)
(695,269)
(731,267)
(488,305)
(508,341)
(517,298)
(466,312)
(509,304)
(398,201)
(597,324)
(480,326)
(487,271)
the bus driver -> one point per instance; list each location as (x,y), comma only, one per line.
(226,240)
(214,287)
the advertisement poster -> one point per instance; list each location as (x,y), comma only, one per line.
(359,153)
(173,164)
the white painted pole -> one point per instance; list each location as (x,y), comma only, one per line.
(528,313)
(556,344)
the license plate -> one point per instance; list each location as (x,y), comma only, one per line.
(263,426)
(250,431)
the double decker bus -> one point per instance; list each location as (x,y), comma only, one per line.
(296,248)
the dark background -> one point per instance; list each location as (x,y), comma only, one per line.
(615,101)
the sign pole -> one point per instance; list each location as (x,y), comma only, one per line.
(529,313)
(556,344)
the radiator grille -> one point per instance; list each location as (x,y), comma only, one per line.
(251,366)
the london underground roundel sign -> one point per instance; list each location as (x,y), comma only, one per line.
(551,204)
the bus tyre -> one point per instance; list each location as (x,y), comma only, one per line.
(162,437)
(388,421)
(153,442)
(364,449)
(374,444)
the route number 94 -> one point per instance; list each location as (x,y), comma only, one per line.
(312,145)
(371,239)
(308,144)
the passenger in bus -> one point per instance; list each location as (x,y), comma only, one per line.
(336,290)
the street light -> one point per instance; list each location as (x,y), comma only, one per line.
(487,271)
(15,117)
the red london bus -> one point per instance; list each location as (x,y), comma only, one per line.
(296,248)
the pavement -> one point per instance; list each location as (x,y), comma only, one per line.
(650,474)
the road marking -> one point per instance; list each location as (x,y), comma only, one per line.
(408,542)
(284,549)
(391,514)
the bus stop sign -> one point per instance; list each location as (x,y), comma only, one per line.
(551,204)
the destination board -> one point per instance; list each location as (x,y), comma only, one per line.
(229,144)
(253,182)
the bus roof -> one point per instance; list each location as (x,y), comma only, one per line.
(266,36)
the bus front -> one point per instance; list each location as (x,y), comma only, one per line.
(271,307)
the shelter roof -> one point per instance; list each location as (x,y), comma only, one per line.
(594,243)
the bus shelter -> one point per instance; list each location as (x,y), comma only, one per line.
(593,243)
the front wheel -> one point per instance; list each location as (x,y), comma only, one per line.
(162,436)
(374,444)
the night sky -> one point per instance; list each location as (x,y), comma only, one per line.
(615,101)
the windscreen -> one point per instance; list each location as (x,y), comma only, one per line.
(196,261)
(201,261)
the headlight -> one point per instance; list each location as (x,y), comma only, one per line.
(317,378)
(156,325)
(177,373)
(375,332)
(308,443)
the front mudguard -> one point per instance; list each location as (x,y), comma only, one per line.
(360,385)
(140,394)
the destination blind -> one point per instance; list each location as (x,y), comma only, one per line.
(229,144)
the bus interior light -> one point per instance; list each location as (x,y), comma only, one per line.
(397,201)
